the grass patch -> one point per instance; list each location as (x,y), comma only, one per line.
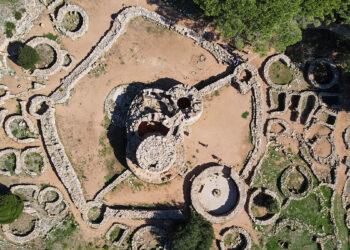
(51,36)
(339,220)
(312,211)
(34,162)
(20,129)
(8,162)
(9,28)
(62,234)
(72,21)
(280,73)
(245,115)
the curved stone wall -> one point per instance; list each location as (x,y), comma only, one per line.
(139,239)
(280,57)
(65,9)
(333,68)
(56,66)
(240,245)
(251,201)
(209,177)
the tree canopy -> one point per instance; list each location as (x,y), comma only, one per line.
(11,207)
(277,23)
(27,57)
(192,234)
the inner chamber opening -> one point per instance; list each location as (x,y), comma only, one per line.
(183,103)
(148,127)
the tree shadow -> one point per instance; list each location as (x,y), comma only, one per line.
(13,50)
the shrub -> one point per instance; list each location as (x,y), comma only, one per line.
(28,57)
(51,36)
(9,27)
(18,15)
(239,43)
(245,114)
(193,233)
(11,207)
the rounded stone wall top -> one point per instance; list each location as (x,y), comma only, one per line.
(218,194)
(156,153)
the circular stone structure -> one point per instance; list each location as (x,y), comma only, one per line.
(84,18)
(59,56)
(188,100)
(218,194)
(284,59)
(244,241)
(139,239)
(333,69)
(266,220)
(156,153)
(305,186)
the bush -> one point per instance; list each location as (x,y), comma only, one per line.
(193,233)
(11,207)
(28,57)
(18,15)
(239,43)
(51,36)
(9,27)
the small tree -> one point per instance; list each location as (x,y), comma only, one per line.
(193,233)
(28,57)
(11,207)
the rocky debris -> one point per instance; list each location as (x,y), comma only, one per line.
(55,207)
(285,128)
(333,69)
(62,12)
(50,5)
(205,178)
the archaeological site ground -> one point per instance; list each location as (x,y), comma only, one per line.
(120,119)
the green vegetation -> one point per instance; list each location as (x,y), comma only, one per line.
(18,15)
(245,114)
(51,36)
(34,162)
(9,28)
(46,54)
(232,239)
(20,129)
(271,23)
(28,57)
(8,162)
(116,234)
(280,73)
(339,219)
(72,21)
(62,234)
(11,207)
(194,233)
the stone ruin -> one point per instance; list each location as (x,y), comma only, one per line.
(58,60)
(46,205)
(244,242)
(155,145)
(218,193)
(67,9)
(334,71)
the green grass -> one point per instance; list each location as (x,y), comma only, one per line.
(51,36)
(18,15)
(280,73)
(245,115)
(9,28)
(62,234)
(311,211)
(296,240)
(339,219)
(8,162)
